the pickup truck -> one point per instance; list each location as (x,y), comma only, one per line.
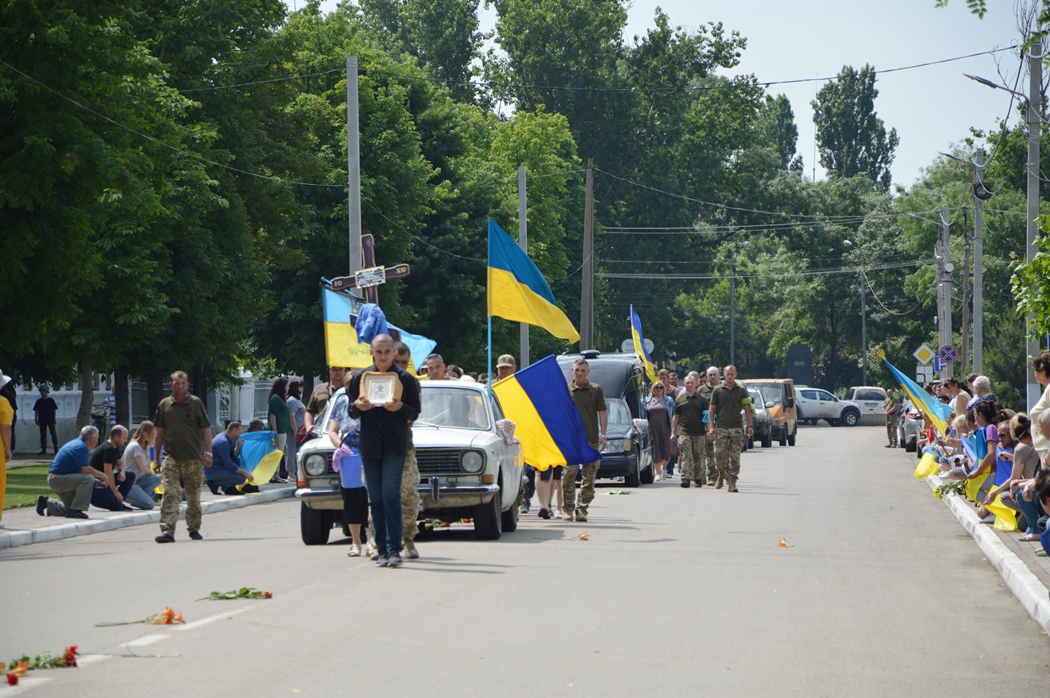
(815,404)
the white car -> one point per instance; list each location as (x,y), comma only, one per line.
(466,469)
(814,404)
(869,399)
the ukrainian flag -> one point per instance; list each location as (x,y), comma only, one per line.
(935,410)
(546,420)
(518,291)
(340,339)
(639,346)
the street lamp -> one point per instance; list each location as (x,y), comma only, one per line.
(732,298)
(863,312)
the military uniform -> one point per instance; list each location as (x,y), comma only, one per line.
(710,469)
(691,436)
(182,423)
(890,405)
(589,401)
(726,404)
(410,497)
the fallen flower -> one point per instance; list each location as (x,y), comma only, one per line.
(70,656)
(165,617)
(12,679)
(242,593)
(619,492)
(784,544)
(583,536)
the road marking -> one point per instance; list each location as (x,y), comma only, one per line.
(89,659)
(146,641)
(204,621)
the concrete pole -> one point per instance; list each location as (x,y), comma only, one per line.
(732,304)
(946,285)
(978,265)
(863,318)
(1035,73)
(523,241)
(587,286)
(353,165)
(964,343)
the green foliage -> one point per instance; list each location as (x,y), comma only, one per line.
(977,7)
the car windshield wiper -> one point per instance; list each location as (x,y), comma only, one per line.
(426,424)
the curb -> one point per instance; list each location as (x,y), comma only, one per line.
(17,539)
(1025,586)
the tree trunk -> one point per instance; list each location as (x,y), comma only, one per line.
(87,394)
(155,391)
(122,391)
(199,382)
(833,347)
(308,388)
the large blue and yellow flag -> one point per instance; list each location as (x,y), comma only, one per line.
(639,346)
(340,339)
(259,457)
(518,291)
(546,420)
(935,410)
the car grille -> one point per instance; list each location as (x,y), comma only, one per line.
(438,461)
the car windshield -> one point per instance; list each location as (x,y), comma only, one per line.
(461,408)
(757,397)
(619,415)
(771,392)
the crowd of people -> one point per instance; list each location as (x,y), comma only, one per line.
(1008,453)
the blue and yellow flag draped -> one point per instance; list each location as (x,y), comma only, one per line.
(639,346)
(259,457)
(340,338)
(935,410)
(518,291)
(546,420)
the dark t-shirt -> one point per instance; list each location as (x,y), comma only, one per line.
(105,453)
(319,398)
(589,400)
(45,409)
(182,423)
(726,403)
(382,429)
(690,412)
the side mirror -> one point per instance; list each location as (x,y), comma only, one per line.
(769,405)
(790,402)
(835,399)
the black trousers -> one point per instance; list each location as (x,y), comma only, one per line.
(43,436)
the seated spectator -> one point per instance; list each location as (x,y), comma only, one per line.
(106,459)
(1025,465)
(72,478)
(982,389)
(959,396)
(985,413)
(137,462)
(1041,368)
(226,473)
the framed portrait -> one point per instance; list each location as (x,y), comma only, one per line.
(380,387)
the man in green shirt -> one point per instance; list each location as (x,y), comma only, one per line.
(727,401)
(711,380)
(183,430)
(889,408)
(687,426)
(590,403)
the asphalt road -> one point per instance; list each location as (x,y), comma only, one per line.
(677,592)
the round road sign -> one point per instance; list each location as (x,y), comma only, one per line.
(948,353)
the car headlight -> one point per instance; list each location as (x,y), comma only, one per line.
(472,462)
(315,464)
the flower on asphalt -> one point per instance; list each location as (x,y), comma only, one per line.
(20,668)
(583,536)
(70,657)
(12,679)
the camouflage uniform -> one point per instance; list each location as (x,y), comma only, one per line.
(692,451)
(728,445)
(709,468)
(410,494)
(192,474)
(568,488)
(891,404)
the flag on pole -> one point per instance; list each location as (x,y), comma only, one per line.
(340,338)
(935,410)
(546,420)
(517,290)
(639,346)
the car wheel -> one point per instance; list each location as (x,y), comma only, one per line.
(632,478)
(313,525)
(791,439)
(510,516)
(909,446)
(850,418)
(767,439)
(648,474)
(750,442)
(488,519)
(783,436)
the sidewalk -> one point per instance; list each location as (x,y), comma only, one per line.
(1026,573)
(25,526)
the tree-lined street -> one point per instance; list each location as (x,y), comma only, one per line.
(677,591)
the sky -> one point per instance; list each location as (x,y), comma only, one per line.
(932,108)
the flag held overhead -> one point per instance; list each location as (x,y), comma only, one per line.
(517,290)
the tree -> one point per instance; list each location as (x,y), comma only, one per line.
(777,121)
(851,138)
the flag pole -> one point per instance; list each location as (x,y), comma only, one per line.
(488,311)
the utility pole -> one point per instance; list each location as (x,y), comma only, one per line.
(353,164)
(733,247)
(523,241)
(980,193)
(1035,84)
(964,345)
(944,288)
(864,311)
(587,292)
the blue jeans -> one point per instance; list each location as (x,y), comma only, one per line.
(670,465)
(140,495)
(383,480)
(102,497)
(1029,509)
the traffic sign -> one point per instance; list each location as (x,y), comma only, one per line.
(948,354)
(923,374)
(627,347)
(938,365)
(924,354)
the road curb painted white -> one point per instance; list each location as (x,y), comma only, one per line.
(1031,592)
(15,539)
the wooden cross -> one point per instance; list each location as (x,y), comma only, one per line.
(368,258)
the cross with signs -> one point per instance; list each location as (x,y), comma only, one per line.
(371,276)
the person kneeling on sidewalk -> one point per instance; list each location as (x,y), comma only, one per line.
(72,478)
(106,459)
(226,472)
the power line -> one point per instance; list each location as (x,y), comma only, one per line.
(164,144)
(262,82)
